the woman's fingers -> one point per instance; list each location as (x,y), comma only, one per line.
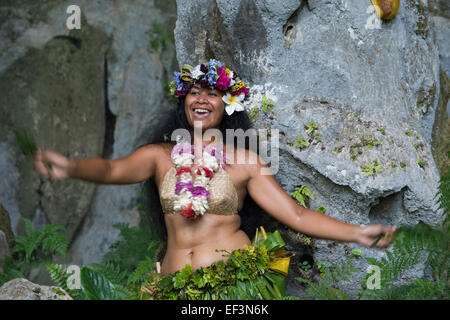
(39,164)
(387,238)
(51,164)
(56,158)
(378,236)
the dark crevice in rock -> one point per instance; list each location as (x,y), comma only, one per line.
(76,42)
(381,213)
(110,118)
(250,36)
(217,42)
(40,207)
(290,27)
(308,257)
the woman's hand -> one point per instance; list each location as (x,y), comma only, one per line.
(51,164)
(369,235)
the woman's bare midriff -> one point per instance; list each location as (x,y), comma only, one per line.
(195,242)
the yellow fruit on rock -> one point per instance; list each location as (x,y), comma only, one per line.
(386,9)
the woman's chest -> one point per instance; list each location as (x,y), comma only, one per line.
(226,189)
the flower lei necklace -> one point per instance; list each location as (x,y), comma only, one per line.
(191,197)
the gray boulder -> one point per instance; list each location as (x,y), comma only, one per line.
(22,289)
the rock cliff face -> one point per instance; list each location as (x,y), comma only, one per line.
(378,92)
(93,92)
(371,87)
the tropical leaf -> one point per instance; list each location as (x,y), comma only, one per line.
(96,286)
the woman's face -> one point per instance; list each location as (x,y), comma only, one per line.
(204,105)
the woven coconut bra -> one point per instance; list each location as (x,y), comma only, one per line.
(223,198)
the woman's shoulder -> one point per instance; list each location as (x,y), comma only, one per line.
(166,146)
(157,151)
(243,157)
(159,146)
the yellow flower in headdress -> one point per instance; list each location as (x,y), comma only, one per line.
(185,73)
(185,76)
(239,85)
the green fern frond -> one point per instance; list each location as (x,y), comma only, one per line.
(423,289)
(129,262)
(60,276)
(143,272)
(443,195)
(11,270)
(111,271)
(326,288)
(40,244)
(412,245)
(419,289)
(430,241)
(137,243)
(301,193)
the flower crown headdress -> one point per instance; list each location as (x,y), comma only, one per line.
(212,74)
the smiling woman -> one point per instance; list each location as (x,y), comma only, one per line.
(207,91)
(205,105)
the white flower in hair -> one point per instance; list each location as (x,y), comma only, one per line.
(196,73)
(231,76)
(233,103)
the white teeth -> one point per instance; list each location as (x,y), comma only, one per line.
(201,111)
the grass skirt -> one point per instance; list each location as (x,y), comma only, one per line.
(254,273)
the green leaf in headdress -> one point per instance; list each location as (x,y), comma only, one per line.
(188,67)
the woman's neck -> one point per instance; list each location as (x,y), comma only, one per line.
(199,141)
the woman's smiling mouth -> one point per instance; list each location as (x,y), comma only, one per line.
(201,113)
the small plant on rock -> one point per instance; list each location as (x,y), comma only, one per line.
(372,168)
(301,194)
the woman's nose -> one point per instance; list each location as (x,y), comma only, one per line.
(203,98)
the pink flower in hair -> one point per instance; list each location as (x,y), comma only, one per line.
(223,82)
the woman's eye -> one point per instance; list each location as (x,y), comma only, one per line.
(213,94)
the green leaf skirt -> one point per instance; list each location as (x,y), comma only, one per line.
(248,274)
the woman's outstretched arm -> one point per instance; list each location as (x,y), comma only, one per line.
(266,192)
(134,168)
